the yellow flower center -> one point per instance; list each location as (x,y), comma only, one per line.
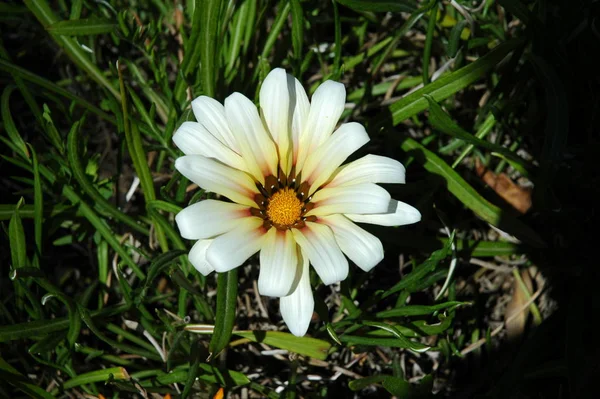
(284,208)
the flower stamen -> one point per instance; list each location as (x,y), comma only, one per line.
(284,208)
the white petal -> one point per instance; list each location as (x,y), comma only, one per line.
(398,214)
(318,243)
(297,308)
(233,248)
(211,114)
(326,107)
(214,176)
(301,109)
(197,257)
(256,145)
(362,247)
(369,169)
(193,139)
(278,264)
(329,156)
(275,105)
(358,198)
(209,218)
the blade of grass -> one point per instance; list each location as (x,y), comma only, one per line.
(42,11)
(78,172)
(138,156)
(449,84)
(466,194)
(227,285)
(82,27)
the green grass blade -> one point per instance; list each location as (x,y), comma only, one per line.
(17,71)
(449,84)
(16,237)
(42,11)
(78,172)
(38,208)
(298,34)
(116,373)
(306,346)
(210,13)
(441,121)
(82,27)
(9,123)
(227,285)
(466,194)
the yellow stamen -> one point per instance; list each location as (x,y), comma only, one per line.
(284,208)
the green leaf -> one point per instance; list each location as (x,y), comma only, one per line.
(380,5)
(454,39)
(422,270)
(117,373)
(396,386)
(276,29)
(371,341)
(429,42)
(9,124)
(207,373)
(337,57)
(227,285)
(79,174)
(362,383)
(238,26)
(11,375)
(157,265)
(451,83)
(40,328)
(413,345)
(82,27)
(16,236)
(43,12)
(54,88)
(419,310)
(466,194)
(38,208)
(441,121)
(306,346)
(210,16)
(297,33)
(193,370)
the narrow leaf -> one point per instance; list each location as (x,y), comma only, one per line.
(82,27)
(227,285)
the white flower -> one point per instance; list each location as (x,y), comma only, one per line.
(291,198)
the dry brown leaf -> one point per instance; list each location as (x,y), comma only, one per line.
(517,196)
(515,325)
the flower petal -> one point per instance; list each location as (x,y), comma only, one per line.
(278,264)
(233,248)
(362,247)
(209,218)
(214,176)
(326,107)
(211,114)
(357,198)
(275,105)
(197,257)
(318,243)
(193,139)
(398,214)
(301,109)
(297,308)
(329,156)
(256,145)
(369,169)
